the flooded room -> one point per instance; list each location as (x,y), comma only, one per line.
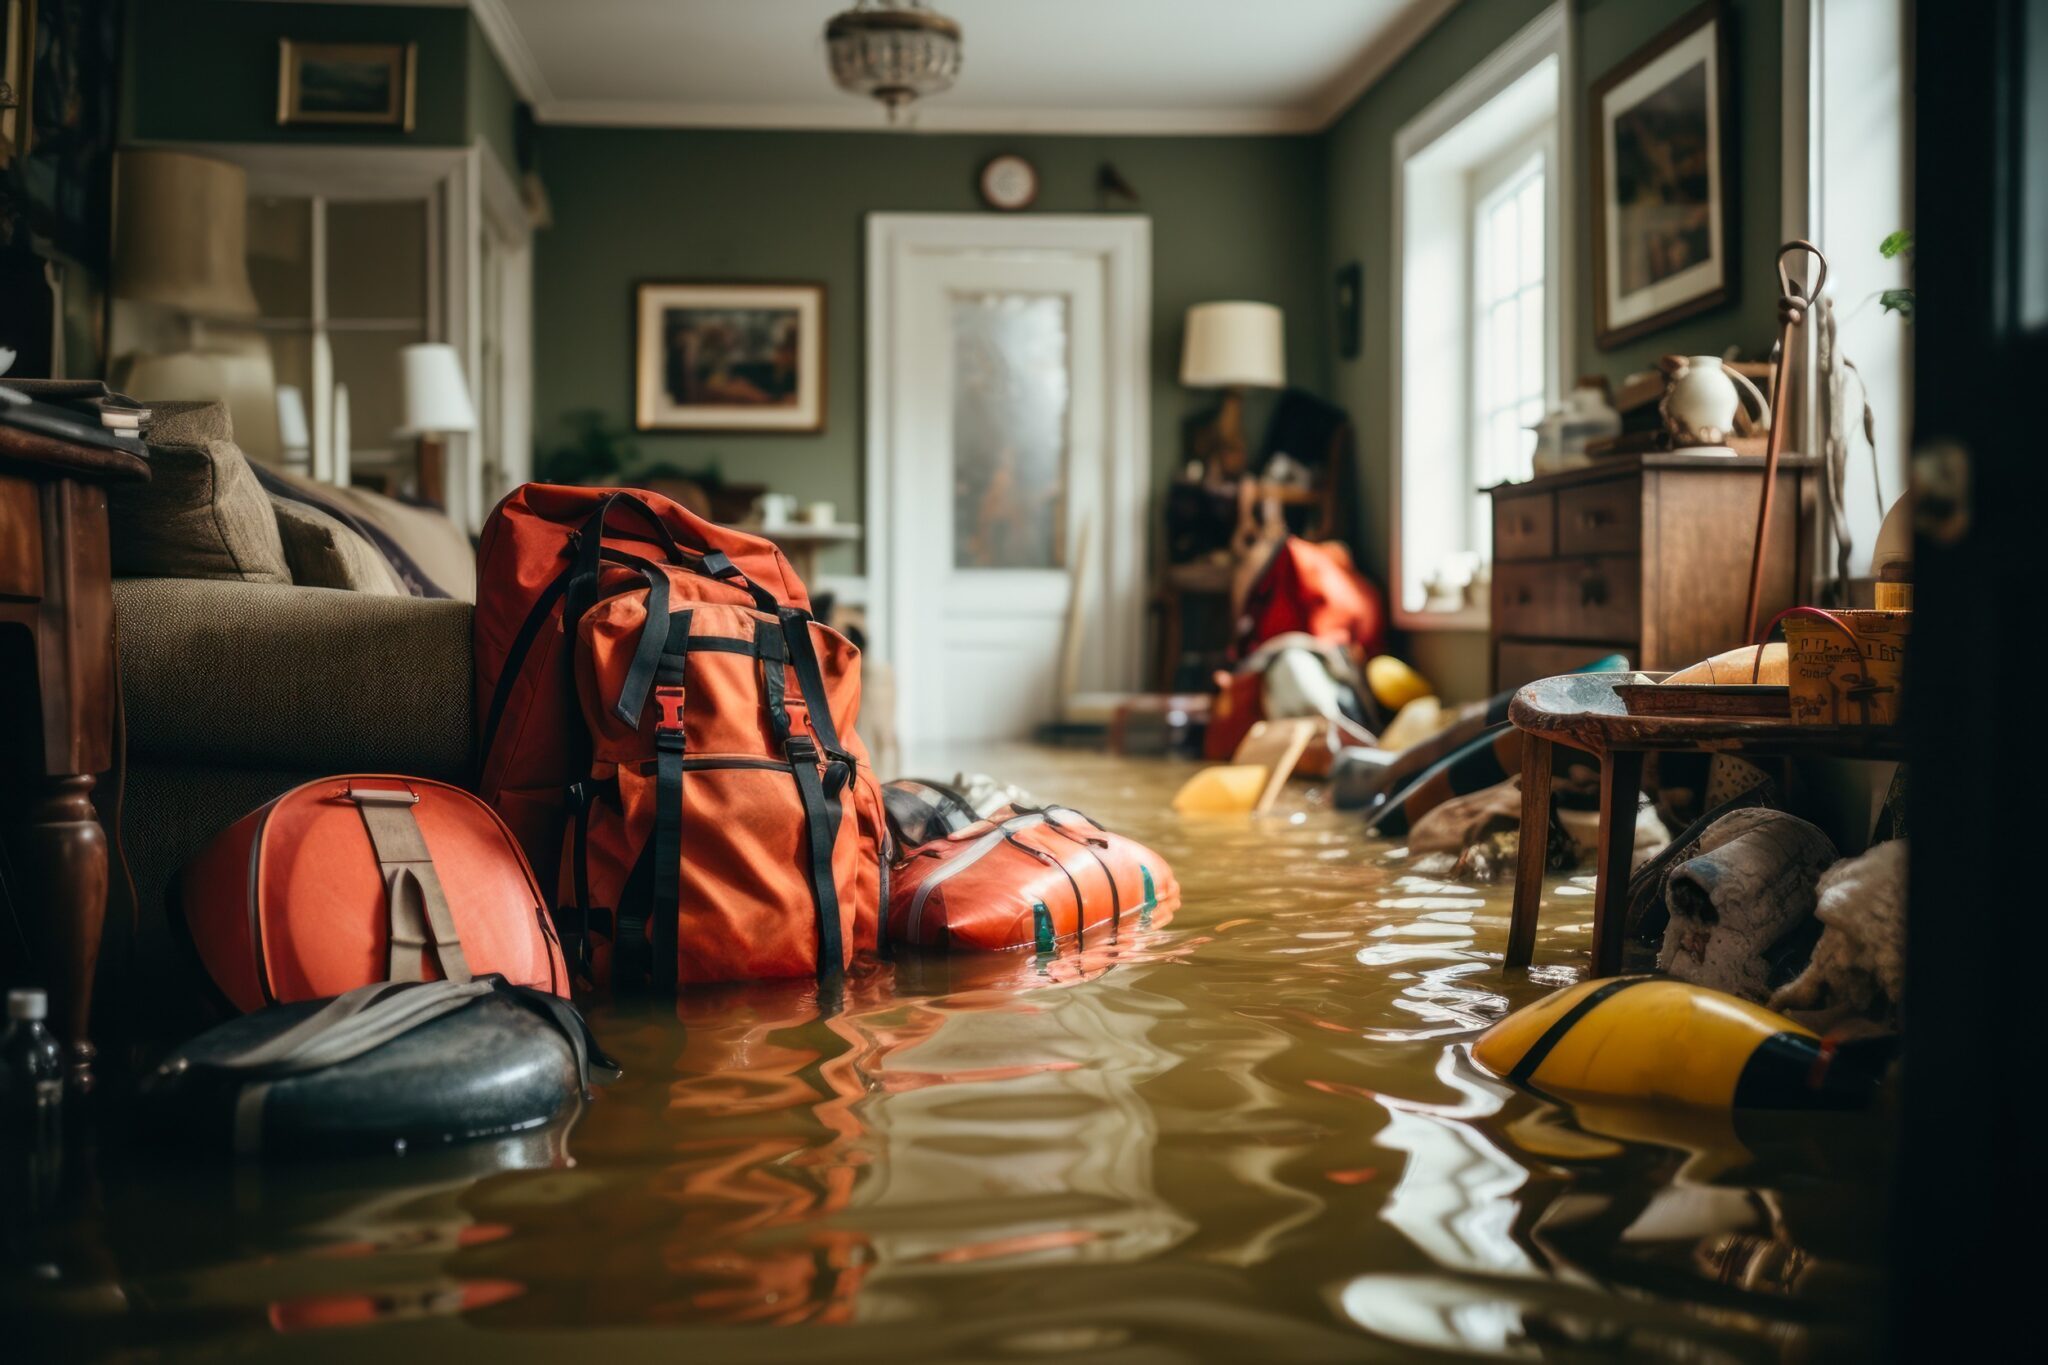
(1118,681)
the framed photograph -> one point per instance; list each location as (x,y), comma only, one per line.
(357,84)
(1350,301)
(1663,245)
(729,357)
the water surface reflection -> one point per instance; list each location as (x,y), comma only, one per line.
(1250,1131)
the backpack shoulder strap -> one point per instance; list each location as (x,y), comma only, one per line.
(411,886)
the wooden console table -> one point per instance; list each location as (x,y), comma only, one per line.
(57,614)
(1583,711)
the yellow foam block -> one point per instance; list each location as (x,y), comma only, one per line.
(1394,683)
(1228,789)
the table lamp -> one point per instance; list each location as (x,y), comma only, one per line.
(436,404)
(1231,346)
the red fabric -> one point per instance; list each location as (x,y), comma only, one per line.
(538,747)
(1314,588)
(288,903)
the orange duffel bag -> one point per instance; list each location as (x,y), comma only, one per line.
(363,878)
(1024,878)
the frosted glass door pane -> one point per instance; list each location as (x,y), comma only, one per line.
(377,260)
(1011,393)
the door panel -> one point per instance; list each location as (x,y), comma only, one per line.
(1001,457)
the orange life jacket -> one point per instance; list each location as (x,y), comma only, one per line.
(357,879)
(1025,878)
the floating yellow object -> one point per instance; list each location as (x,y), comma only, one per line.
(1416,721)
(1393,683)
(1226,789)
(1737,666)
(1652,1038)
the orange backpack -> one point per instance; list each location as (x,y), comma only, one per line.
(539,568)
(730,827)
(364,878)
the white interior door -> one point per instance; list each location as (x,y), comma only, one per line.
(1008,482)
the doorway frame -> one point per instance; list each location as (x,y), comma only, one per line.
(1123,245)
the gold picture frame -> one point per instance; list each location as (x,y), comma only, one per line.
(729,356)
(17,77)
(346,84)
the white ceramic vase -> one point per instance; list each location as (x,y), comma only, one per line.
(1701,398)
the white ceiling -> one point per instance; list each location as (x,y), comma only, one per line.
(1061,66)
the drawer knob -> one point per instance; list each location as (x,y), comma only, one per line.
(1593,591)
(1595,517)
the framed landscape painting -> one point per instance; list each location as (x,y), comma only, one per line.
(1663,248)
(729,357)
(356,84)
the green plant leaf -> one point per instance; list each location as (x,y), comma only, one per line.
(1896,244)
(1898,301)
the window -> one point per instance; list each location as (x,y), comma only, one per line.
(1510,353)
(1479,270)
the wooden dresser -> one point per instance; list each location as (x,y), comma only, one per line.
(1645,556)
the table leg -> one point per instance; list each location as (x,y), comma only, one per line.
(1530,854)
(63,854)
(1621,782)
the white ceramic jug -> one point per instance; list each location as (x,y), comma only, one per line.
(1701,399)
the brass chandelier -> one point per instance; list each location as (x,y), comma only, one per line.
(896,51)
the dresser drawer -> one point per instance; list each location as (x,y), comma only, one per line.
(1600,518)
(1525,527)
(1594,598)
(1516,662)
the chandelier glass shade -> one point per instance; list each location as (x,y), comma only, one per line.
(895,51)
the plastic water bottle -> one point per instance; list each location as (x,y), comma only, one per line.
(31,1090)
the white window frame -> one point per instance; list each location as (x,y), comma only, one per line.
(1429,441)
(1490,184)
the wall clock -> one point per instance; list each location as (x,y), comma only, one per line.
(1009,182)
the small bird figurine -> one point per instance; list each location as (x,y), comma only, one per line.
(1111,187)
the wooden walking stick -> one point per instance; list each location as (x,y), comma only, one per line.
(1792,305)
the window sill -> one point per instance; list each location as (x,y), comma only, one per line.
(1467,618)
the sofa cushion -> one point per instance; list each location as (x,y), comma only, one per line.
(433,542)
(202,514)
(323,553)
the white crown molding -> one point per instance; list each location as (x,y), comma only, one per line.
(865,116)
(1378,58)
(501,31)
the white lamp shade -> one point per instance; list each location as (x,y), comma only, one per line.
(436,398)
(1232,345)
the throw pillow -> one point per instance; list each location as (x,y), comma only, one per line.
(323,553)
(202,514)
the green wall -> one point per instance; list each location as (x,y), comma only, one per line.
(1358,167)
(1231,218)
(206,71)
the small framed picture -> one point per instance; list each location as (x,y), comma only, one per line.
(1663,181)
(729,357)
(358,84)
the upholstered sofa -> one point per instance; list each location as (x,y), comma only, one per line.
(240,684)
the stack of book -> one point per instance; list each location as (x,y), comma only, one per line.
(81,411)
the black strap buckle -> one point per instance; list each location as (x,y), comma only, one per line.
(718,564)
(801,749)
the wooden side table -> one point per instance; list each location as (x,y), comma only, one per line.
(1584,711)
(56,600)
(802,540)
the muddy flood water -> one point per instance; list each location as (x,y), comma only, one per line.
(1250,1132)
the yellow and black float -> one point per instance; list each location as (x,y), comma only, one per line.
(1656,1039)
